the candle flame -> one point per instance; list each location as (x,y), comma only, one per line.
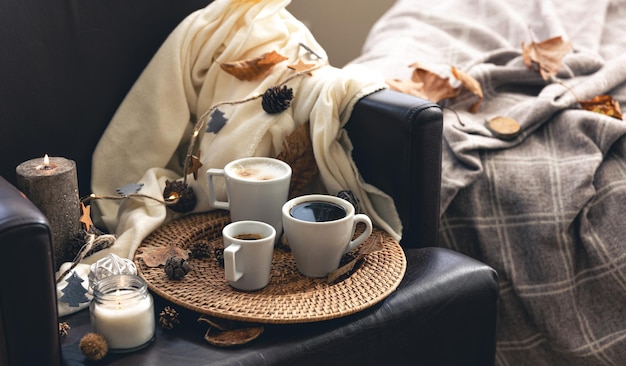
(46,161)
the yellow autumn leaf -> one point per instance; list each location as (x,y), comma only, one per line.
(603,104)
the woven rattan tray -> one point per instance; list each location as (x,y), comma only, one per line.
(289,297)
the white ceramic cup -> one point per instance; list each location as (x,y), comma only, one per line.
(257,187)
(319,242)
(248,251)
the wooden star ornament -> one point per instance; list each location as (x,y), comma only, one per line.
(195,165)
(302,67)
(85,217)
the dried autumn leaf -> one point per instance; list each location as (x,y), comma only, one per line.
(603,104)
(233,337)
(470,84)
(156,256)
(547,55)
(407,87)
(298,153)
(254,68)
(436,87)
(372,245)
(425,84)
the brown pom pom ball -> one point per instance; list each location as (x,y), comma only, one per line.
(93,346)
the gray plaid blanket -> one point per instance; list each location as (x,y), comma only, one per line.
(545,209)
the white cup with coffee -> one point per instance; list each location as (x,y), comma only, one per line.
(320,230)
(256,188)
(248,251)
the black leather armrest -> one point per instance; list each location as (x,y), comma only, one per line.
(397,147)
(28,307)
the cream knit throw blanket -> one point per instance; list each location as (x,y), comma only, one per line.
(147,139)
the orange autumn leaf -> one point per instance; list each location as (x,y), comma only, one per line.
(546,55)
(156,256)
(255,68)
(470,84)
(603,104)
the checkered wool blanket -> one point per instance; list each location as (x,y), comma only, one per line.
(546,209)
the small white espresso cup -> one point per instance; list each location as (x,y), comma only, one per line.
(319,230)
(248,251)
(257,187)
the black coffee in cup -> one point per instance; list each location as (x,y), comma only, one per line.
(317,211)
(249,236)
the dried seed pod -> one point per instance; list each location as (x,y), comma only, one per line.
(176,268)
(200,249)
(168,318)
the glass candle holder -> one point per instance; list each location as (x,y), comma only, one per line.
(122,311)
(110,265)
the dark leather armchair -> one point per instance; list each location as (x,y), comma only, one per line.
(67,65)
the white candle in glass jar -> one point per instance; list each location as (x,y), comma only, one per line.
(122,311)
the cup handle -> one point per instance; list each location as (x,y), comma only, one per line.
(364,235)
(213,202)
(230,262)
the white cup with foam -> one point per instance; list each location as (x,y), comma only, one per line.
(256,187)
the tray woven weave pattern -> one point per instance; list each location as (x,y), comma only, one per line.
(290,297)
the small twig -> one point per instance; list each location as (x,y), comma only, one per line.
(569,89)
(203,118)
(134,195)
(79,257)
(458,118)
(310,50)
(200,124)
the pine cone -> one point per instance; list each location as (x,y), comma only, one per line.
(200,249)
(176,268)
(352,198)
(276,100)
(185,198)
(63,329)
(219,256)
(168,318)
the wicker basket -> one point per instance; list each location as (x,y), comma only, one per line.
(290,297)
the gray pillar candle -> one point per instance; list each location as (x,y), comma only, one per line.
(52,185)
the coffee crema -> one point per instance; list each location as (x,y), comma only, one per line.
(249,236)
(317,211)
(258,171)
